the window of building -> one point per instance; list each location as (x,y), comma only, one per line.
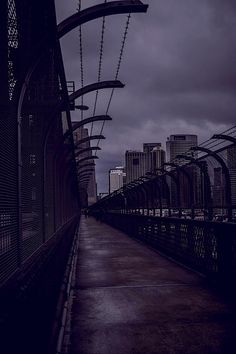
(179,137)
(135,162)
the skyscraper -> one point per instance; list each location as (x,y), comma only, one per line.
(79,134)
(138,163)
(116,178)
(218,190)
(148,147)
(179,144)
(175,145)
(158,157)
(231,163)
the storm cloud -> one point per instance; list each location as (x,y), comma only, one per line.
(179,68)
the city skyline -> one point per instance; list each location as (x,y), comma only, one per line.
(153,155)
(178,68)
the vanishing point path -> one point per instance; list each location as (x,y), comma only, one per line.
(129,299)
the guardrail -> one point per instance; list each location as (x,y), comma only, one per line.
(28,299)
(205,246)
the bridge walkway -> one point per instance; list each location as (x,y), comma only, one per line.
(129,299)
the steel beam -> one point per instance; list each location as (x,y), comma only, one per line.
(177,183)
(94,87)
(91,148)
(207,183)
(226,173)
(86,165)
(224,137)
(76,125)
(81,107)
(162,177)
(89,138)
(85,171)
(97,11)
(84,180)
(190,182)
(86,158)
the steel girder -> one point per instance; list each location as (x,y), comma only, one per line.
(94,87)
(224,137)
(225,171)
(188,177)
(76,125)
(89,138)
(91,148)
(85,165)
(97,11)
(207,183)
(86,158)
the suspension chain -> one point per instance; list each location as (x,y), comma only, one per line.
(99,66)
(117,70)
(81,59)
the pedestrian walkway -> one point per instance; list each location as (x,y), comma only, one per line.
(131,300)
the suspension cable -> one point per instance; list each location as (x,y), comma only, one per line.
(81,61)
(117,70)
(99,65)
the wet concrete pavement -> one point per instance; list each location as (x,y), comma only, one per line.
(128,299)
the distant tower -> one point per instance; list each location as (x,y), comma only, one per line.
(137,163)
(231,163)
(116,178)
(218,188)
(158,157)
(180,144)
(79,134)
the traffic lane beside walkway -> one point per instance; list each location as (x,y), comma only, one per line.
(129,299)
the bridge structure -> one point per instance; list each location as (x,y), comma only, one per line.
(44,181)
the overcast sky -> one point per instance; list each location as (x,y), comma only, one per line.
(179,68)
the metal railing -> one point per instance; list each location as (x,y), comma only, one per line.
(196,185)
(39,197)
(206,246)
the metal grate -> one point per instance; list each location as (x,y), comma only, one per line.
(38,192)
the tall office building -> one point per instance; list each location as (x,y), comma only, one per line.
(91,196)
(180,144)
(138,163)
(218,190)
(231,163)
(158,157)
(116,178)
(148,147)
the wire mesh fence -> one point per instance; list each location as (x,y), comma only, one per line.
(38,190)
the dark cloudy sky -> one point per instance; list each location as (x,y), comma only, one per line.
(179,68)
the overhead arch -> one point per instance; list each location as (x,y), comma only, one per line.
(93,157)
(226,173)
(94,87)
(224,137)
(97,11)
(188,177)
(85,165)
(76,125)
(89,138)
(207,183)
(85,171)
(91,148)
